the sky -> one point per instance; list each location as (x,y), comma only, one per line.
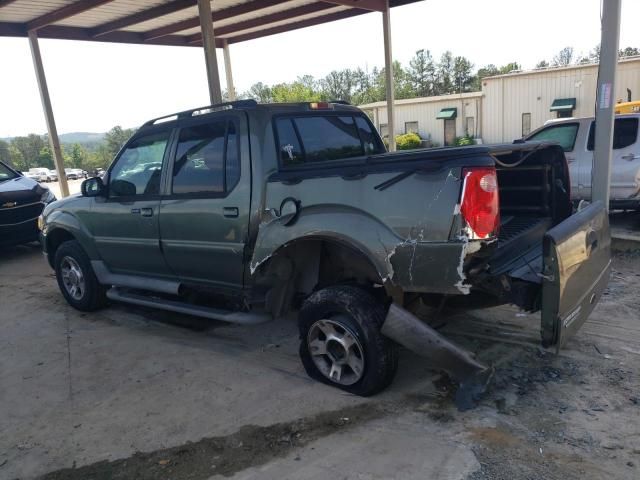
(94,86)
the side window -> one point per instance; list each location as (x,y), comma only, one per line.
(310,139)
(290,150)
(207,159)
(564,134)
(137,171)
(370,140)
(328,138)
(625,133)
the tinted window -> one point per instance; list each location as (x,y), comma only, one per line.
(370,140)
(6,173)
(233,157)
(312,139)
(564,134)
(625,133)
(290,150)
(137,171)
(200,159)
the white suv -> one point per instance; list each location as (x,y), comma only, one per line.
(576,136)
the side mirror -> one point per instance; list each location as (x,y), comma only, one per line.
(93,187)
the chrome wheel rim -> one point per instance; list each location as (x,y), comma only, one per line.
(336,351)
(72,278)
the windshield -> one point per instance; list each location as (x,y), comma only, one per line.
(6,173)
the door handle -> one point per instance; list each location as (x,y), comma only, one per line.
(146,212)
(630,156)
(230,212)
(135,211)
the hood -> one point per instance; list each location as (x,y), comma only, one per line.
(21,190)
(62,203)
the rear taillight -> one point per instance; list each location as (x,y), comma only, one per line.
(479,205)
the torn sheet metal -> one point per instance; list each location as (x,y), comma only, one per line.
(472,376)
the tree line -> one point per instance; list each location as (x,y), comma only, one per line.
(23,153)
(424,76)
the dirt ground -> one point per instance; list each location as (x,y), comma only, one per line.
(130,393)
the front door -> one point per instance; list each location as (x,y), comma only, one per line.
(449,131)
(125,223)
(204,218)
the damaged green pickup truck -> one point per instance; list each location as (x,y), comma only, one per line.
(243,212)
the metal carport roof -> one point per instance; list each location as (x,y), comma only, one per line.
(174,22)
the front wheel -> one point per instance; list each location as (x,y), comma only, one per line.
(341,343)
(76,279)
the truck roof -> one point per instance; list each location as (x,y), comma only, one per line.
(251,104)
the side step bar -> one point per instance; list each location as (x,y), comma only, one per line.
(241,318)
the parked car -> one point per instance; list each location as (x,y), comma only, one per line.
(576,136)
(75,173)
(44,174)
(243,212)
(21,203)
(33,176)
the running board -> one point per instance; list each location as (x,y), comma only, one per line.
(241,318)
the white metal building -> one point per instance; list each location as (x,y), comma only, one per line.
(509,106)
(430,116)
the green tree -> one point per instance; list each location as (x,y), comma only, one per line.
(422,73)
(45,158)
(298,91)
(78,156)
(509,67)
(338,85)
(116,138)
(445,74)
(564,57)
(628,52)
(5,155)
(542,64)
(29,148)
(260,93)
(462,76)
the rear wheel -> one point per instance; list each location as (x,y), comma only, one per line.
(341,343)
(76,278)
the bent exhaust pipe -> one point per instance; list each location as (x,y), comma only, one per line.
(472,376)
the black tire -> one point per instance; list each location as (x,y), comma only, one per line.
(361,315)
(93,295)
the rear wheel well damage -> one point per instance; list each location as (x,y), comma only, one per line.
(55,238)
(302,267)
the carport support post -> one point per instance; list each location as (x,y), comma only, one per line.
(605,104)
(388,70)
(209,44)
(231,91)
(54,142)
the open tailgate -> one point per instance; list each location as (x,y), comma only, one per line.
(577,263)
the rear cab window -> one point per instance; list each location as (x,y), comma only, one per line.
(304,140)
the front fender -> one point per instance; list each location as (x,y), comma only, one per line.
(60,219)
(346,225)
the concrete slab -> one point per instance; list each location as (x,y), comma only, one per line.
(135,393)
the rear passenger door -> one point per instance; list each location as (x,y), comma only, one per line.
(204,214)
(625,164)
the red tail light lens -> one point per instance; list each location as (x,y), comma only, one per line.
(480,207)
